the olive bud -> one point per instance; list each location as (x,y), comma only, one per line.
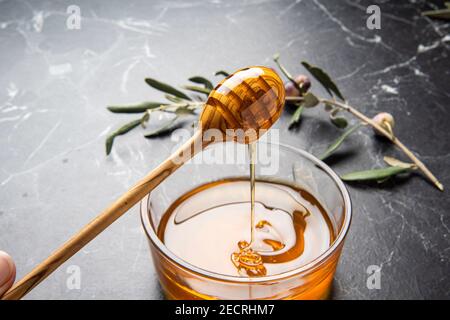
(302,81)
(386,121)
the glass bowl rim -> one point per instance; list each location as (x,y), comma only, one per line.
(304,269)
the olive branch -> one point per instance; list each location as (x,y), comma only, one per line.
(181,104)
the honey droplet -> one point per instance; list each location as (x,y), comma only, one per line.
(247,261)
(261,224)
(275,244)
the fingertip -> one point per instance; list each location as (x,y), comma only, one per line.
(7,272)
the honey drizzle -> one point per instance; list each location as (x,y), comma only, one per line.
(246,260)
(252,152)
(250,262)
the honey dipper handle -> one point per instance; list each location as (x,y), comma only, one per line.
(106,218)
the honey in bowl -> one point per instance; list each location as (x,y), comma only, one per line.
(207,226)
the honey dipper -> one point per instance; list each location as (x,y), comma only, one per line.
(242,106)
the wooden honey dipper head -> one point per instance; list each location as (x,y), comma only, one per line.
(245,104)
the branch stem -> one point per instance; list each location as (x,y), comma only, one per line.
(294,99)
(288,75)
(420,165)
(167,107)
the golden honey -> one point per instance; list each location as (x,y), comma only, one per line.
(209,227)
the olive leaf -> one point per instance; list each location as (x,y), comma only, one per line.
(295,119)
(202,80)
(145,118)
(122,130)
(135,108)
(184,110)
(222,73)
(310,100)
(161,86)
(324,79)
(439,14)
(339,122)
(397,163)
(338,142)
(198,89)
(172,98)
(170,126)
(375,174)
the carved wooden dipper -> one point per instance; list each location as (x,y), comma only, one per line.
(242,106)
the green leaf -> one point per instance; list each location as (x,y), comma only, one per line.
(198,89)
(122,130)
(222,73)
(165,129)
(338,142)
(375,174)
(172,98)
(145,118)
(339,122)
(161,86)
(310,100)
(135,108)
(328,107)
(438,14)
(324,79)
(184,111)
(202,80)
(296,116)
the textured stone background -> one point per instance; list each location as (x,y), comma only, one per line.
(55,84)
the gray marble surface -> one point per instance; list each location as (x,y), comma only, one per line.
(55,84)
